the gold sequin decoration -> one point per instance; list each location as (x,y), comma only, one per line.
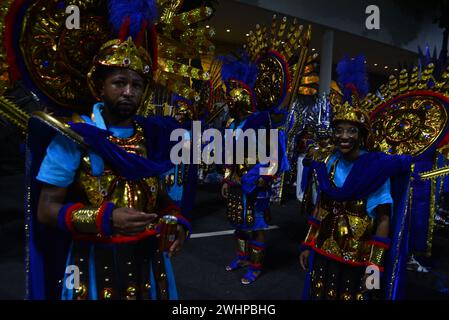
(84,220)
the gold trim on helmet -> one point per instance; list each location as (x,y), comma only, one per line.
(120,54)
(349,113)
(184,110)
(241,96)
(353,113)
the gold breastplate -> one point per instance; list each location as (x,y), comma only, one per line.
(345,226)
(235,172)
(137,194)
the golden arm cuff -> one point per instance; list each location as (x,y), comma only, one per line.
(84,220)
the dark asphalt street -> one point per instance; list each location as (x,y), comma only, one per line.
(199,268)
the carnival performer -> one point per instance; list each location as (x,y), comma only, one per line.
(97,204)
(181,180)
(246,190)
(361,207)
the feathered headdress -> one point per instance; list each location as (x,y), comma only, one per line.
(352,78)
(239,75)
(183,106)
(130,17)
(130,20)
(353,83)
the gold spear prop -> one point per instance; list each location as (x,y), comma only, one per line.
(436,173)
(13,114)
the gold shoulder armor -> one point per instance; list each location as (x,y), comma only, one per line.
(60,125)
(320,153)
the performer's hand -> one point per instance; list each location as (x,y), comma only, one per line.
(303,259)
(225,190)
(128,221)
(179,242)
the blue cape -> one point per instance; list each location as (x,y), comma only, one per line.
(131,166)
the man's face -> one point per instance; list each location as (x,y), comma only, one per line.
(347,137)
(122,92)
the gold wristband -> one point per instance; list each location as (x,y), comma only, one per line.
(84,220)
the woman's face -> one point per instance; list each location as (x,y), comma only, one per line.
(347,137)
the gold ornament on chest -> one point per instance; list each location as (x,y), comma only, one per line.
(109,186)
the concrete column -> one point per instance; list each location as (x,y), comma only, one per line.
(327,48)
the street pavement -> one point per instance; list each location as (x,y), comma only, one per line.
(200,267)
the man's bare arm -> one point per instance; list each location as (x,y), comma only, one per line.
(51,200)
(383,224)
(126,221)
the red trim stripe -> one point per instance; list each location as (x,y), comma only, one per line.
(379,244)
(426,93)
(115,239)
(257,266)
(230,182)
(99,219)
(124,29)
(139,37)
(287,71)
(313,223)
(256,247)
(154,47)
(182,218)
(169,209)
(339,259)
(8,40)
(308,244)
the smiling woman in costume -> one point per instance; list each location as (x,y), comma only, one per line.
(362,197)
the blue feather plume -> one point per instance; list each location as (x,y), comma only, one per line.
(241,69)
(352,73)
(137,10)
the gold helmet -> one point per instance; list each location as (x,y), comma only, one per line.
(183,109)
(350,112)
(345,99)
(120,54)
(133,23)
(241,96)
(239,75)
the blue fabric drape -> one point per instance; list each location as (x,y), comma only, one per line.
(128,165)
(369,173)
